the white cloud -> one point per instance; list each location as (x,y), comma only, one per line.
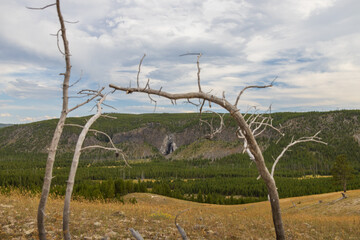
(5,115)
(34,119)
(312,45)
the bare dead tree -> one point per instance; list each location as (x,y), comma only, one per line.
(249,128)
(77,153)
(213,131)
(60,125)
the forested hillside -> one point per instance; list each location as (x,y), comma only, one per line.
(203,170)
(146,135)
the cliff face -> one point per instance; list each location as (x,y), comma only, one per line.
(180,136)
(167,142)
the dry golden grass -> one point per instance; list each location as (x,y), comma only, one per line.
(154,215)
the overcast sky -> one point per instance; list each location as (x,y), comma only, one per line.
(313,46)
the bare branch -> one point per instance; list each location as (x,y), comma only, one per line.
(313,138)
(202,105)
(218,130)
(187,54)
(108,116)
(195,104)
(114,148)
(89,92)
(33,8)
(72,22)
(137,78)
(58,43)
(147,84)
(254,86)
(152,100)
(248,110)
(81,74)
(109,106)
(97,93)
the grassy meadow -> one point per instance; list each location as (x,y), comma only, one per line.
(309,217)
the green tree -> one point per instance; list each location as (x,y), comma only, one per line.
(342,171)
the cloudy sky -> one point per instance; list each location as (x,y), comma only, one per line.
(313,46)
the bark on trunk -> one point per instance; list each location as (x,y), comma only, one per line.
(48,176)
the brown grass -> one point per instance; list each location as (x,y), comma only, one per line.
(154,215)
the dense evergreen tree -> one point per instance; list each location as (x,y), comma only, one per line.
(342,171)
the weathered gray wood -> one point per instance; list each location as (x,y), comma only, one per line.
(58,131)
(73,169)
(136,234)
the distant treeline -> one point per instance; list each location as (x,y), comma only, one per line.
(230,180)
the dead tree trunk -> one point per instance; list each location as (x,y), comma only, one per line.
(58,131)
(73,169)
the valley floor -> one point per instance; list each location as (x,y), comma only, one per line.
(308,217)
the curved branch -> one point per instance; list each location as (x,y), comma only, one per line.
(58,44)
(314,138)
(73,169)
(42,8)
(254,86)
(114,148)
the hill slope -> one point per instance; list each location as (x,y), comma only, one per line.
(149,135)
(314,217)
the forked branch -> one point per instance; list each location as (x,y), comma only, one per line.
(93,93)
(118,151)
(214,131)
(313,138)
